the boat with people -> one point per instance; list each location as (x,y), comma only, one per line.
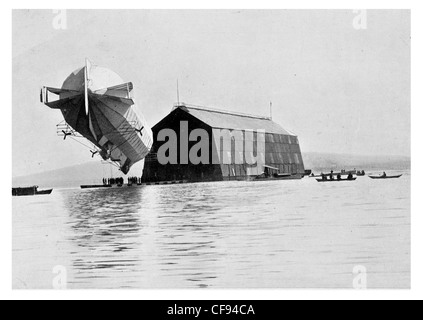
(332,177)
(361,173)
(30,191)
(335,180)
(342,173)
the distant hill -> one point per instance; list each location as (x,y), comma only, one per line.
(326,162)
(93,172)
(74,176)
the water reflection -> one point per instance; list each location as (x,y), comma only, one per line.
(187,234)
(105,226)
(161,230)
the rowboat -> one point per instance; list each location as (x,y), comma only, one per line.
(280,176)
(44,192)
(335,174)
(385,177)
(335,180)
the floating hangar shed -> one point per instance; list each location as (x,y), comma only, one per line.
(282,150)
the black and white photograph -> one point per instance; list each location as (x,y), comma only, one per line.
(211,149)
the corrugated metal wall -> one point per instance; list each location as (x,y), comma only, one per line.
(281,151)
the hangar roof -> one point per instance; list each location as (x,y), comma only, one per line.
(234,121)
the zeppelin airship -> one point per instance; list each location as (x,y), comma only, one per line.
(97,105)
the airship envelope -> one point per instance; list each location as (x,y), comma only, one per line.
(97,105)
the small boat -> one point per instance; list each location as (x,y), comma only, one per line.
(335,180)
(30,191)
(335,174)
(308,172)
(385,177)
(273,173)
(280,176)
(44,192)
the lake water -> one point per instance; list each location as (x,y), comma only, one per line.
(275,234)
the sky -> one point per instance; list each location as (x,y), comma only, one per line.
(341,90)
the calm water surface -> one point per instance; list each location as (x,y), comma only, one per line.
(280,234)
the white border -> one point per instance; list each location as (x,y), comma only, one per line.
(417,212)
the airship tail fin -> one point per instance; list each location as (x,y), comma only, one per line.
(121,91)
(53,102)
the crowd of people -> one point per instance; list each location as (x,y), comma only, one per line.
(113,181)
(134,180)
(121,181)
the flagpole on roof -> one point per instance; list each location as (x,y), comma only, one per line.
(177,90)
(271,111)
